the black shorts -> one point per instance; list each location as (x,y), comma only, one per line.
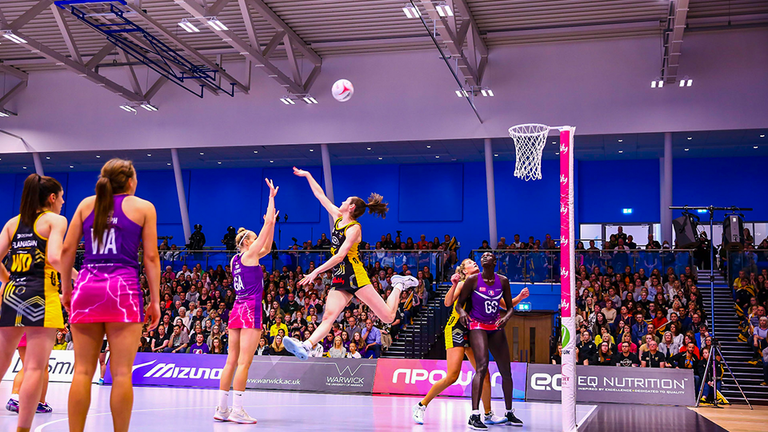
(456,335)
(349,277)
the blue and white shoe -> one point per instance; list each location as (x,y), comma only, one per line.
(12,405)
(406,282)
(297,347)
(43,408)
(493,419)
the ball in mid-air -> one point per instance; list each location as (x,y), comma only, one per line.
(342,90)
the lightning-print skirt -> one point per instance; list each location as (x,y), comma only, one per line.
(107,293)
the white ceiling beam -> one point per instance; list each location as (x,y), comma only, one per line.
(14,72)
(30,14)
(79,68)
(279,24)
(273,43)
(188,48)
(130,72)
(673,40)
(155,87)
(245,12)
(254,53)
(66,33)
(101,55)
(12,92)
(216,8)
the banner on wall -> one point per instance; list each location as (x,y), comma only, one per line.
(415,377)
(329,375)
(615,384)
(61,367)
(178,370)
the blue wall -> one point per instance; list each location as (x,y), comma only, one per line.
(434,199)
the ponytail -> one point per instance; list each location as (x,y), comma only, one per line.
(374,205)
(34,197)
(113,180)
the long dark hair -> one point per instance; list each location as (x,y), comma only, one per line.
(113,180)
(374,205)
(37,190)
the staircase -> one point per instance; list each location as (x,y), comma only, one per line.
(735,352)
(427,327)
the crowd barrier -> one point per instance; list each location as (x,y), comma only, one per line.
(61,367)
(415,377)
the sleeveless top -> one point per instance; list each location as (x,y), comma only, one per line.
(248,281)
(120,242)
(29,265)
(485,301)
(338,236)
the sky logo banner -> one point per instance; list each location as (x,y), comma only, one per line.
(615,384)
(415,377)
(181,370)
(328,375)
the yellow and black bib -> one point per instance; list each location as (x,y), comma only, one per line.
(349,274)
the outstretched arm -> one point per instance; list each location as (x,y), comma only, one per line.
(353,236)
(269,225)
(466,290)
(270,237)
(319,193)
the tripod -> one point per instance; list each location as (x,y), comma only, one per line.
(712,363)
(715,344)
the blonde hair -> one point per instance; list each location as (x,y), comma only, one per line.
(461,267)
(242,234)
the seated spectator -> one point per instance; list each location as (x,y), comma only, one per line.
(688,339)
(604,355)
(277,348)
(199,347)
(639,328)
(586,350)
(626,337)
(217,347)
(625,358)
(337,350)
(647,339)
(353,353)
(687,360)
(61,342)
(605,337)
(760,337)
(160,339)
(557,357)
(372,337)
(277,326)
(653,358)
(668,346)
(263,348)
(709,394)
(178,341)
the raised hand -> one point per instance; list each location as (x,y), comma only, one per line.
(272,189)
(525,293)
(456,278)
(300,172)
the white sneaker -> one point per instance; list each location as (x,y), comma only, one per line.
(241,417)
(406,282)
(297,347)
(418,413)
(492,419)
(222,414)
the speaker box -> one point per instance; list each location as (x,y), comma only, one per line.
(733,232)
(685,231)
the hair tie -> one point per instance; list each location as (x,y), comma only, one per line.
(247,232)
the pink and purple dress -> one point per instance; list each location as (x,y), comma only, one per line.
(249,289)
(108,287)
(485,305)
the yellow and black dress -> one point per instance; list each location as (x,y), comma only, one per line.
(31,297)
(456,335)
(349,275)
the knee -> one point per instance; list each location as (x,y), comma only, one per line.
(452,376)
(482,370)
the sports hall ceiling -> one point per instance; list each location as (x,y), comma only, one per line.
(338,27)
(738,143)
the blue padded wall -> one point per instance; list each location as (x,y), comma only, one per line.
(434,183)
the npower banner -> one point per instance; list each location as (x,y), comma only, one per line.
(415,377)
(615,384)
(329,375)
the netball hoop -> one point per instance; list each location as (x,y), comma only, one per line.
(530,140)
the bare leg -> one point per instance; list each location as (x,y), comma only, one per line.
(486,396)
(454,358)
(87,339)
(497,343)
(228,373)
(249,341)
(123,344)
(385,311)
(39,344)
(334,304)
(19,378)
(479,341)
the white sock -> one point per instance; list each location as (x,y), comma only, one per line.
(475,412)
(399,286)
(223,399)
(238,401)
(15,397)
(308,344)
(511,411)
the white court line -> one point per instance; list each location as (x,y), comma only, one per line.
(583,420)
(44,425)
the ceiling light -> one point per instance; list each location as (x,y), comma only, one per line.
(216,24)
(311,150)
(381,158)
(458,93)
(690,138)
(755,147)
(687,149)
(188,26)
(169,164)
(686,82)
(8,34)
(128,108)
(621,140)
(490,92)
(762,136)
(429,146)
(25,167)
(271,161)
(496,154)
(71,167)
(369,148)
(444,10)
(410,11)
(437,156)
(149,154)
(256,151)
(287,100)
(4,114)
(48,157)
(309,100)
(657,83)
(201,153)
(621,151)
(486,92)
(219,162)
(557,153)
(98,157)
(149,107)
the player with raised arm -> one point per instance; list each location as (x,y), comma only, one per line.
(349,276)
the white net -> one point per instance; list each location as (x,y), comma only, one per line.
(530,140)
